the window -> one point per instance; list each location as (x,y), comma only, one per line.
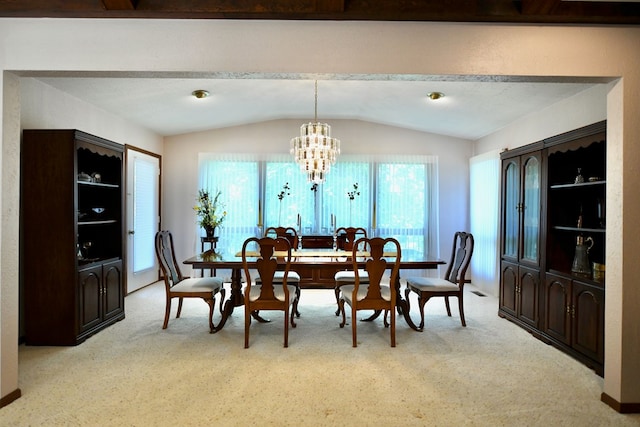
(394,198)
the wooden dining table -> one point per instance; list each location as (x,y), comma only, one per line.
(316,269)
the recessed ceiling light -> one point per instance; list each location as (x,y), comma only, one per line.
(435,95)
(200,93)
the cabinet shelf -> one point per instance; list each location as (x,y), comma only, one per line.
(98,184)
(580,230)
(106,221)
(581,184)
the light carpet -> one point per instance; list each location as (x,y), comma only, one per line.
(490,373)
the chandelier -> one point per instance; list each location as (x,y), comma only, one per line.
(315,150)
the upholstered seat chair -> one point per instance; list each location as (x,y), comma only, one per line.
(272,291)
(452,285)
(345,238)
(373,295)
(179,286)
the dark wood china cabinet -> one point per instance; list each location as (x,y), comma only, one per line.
(71,220)
(553,241)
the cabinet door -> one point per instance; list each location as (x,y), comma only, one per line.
(588,320)
(510,208)
(508,287)
(90,295)
(528,289)
(112,289)
(530,208)
(558,308)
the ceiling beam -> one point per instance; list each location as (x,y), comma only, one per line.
(495,11)
(119,4)
(539,7)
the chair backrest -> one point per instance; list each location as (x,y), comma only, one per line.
(376,265)
(288,233)
(460,258)
(166,257)
(346,236)
(266,264)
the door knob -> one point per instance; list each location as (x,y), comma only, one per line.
(132,232)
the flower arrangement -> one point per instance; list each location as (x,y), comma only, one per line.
(208,211)
(284,192)
(281,195)
(352,195)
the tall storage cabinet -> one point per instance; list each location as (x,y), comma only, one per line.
(72,229)
(521,230)
(553,247)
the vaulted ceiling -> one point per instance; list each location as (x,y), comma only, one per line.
(524,11)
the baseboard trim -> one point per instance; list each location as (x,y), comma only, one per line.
(15,394)
(623,408)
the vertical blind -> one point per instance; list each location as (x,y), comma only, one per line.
(145,217)
(397,197)
(485,200)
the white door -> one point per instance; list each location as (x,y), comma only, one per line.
(143,218)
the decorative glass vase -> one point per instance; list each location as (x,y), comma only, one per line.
(210,231)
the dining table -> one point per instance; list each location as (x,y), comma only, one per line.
(315,267)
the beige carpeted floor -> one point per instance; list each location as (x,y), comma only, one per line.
(490,373)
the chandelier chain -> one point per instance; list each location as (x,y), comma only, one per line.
(315,114)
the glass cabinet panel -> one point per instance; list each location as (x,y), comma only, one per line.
(531,209)
(511,173)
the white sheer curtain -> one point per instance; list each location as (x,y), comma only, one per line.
(344,175)
(484,218)
(237,177)
(298,199)
(407,201)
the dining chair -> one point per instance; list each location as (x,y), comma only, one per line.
(270,292)
(452,285)
(345,237)
(373,295)
(291,235)
(178,286)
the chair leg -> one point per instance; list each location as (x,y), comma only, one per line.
(341,309)
(422,301)
(286,327)
(446,303)
(247,323)
(336,290)
(212,303)
(354,326)
(292,321)
(295,305)
(393,327)
(179,307)
(461,308)
(167,313)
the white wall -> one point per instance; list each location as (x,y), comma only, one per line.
(188,47)
(44,107)
(582,109)
(180,166)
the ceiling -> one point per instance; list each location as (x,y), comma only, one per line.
(470,109)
